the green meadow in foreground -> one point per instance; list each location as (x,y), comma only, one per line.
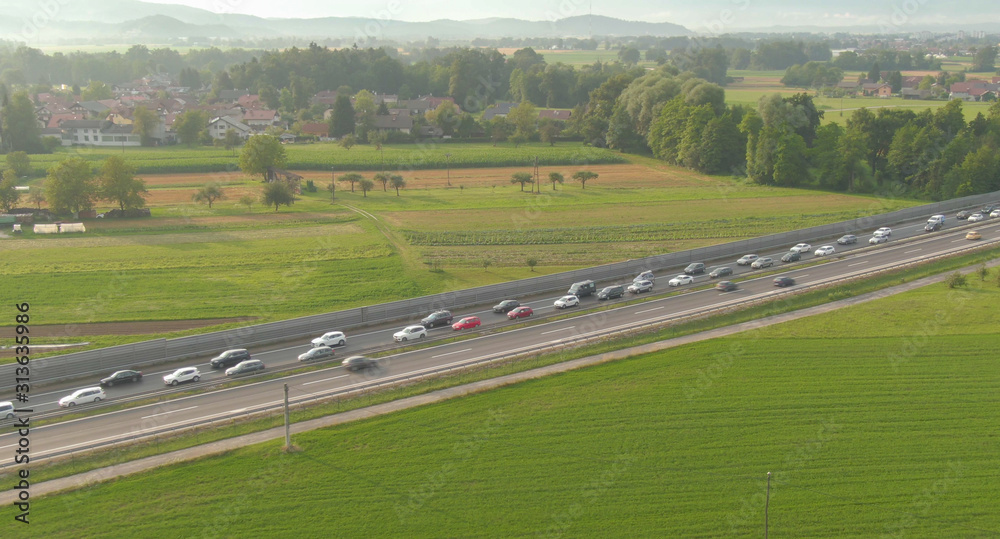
(873,420)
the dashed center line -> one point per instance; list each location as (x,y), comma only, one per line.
(857,263)
(649,310)
(170,412)
(911,251)
(557,330)
(450,353)
(326,379)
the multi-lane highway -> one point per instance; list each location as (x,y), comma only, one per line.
(61,437)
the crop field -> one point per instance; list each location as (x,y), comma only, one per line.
(881,434)
(327,155)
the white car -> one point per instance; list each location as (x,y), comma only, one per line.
(976,217)
(824,250)
(410,332)
(639,287)
(186,374)
(330,338)
(83,396)
(995,213)
(567,301)
(802,248)
(746,260)
(681,279)
(644,276)
(884,231)
(875,240)
(765,262)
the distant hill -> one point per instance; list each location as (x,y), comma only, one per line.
(138,21)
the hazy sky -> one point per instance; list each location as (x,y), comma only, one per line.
(717,16)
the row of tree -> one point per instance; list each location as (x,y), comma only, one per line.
(72,186)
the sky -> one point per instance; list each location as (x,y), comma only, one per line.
(715,16)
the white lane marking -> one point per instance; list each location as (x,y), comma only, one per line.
(911,251)
(6,446)
(326,379)
(557,330)
(450,353)
(170,412)
(649,310)
(858,263)
(958,240)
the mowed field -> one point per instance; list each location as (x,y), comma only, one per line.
(192,262)
(866,430)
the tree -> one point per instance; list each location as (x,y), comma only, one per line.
(548,130)
(383,178)
(896,81)
(956,280)
(366,185)
(260,153)
(342,118)
(983,272)
(210,192)
(248,201)
(18,163)
(446,116)
(555,178)
(95,91)
(378,138)
(486,264)
(584,176)
(524,118)
(277,193)
(117,183)
(37,196)
(70,186)
(985,59)
(874,74)
(397,182)
(521,178)
(347,141)
(629,55)
(351,178)
(144,123)
(9,195)
(364,110)
(332,188)
(532,262)
(20,127)
(190,125)
(517,139)
(232,140)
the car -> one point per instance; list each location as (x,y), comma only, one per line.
(726,286)
(567,301)
(185,374)
(801,248)
(963,215)
(791,256)
(973,235)
(410,332)
(824,250)
(644,276)
(506,306)
(468,322)
(680,279)
(932,227)
(229,358)
(765,262)
(119,377)
(782,282)
(995,213)
(976,217)
(245,367)
(330,338)
(582,288)
(437,318)
(720,271)
(611,292)
(988,209)
(83,396)
(320,352)
(6,410)
(746,260)
(847,239)
(694,268)
(359,363)
(884,231)
(939,218)
(521,312)
(639,287)
(875,240)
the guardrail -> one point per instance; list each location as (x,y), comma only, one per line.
(147,353)
(534,350)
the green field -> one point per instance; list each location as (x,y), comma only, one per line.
(327,155)
(886,430)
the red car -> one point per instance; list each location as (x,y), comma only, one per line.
(468,322)
(520,312)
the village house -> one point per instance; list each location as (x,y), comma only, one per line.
(218,126)
(260,120)
(97,133)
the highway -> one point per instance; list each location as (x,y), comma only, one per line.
(61,437)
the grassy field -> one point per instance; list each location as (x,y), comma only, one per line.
(327,155)
(882,434)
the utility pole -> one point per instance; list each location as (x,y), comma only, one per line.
(767,499)
(537,179)
(288,426)
(447,158)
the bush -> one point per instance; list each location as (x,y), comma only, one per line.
(956,280)
(310,186)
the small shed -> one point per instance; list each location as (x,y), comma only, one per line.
(46,229)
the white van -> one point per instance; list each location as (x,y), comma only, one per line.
(6,410)
(936,219)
